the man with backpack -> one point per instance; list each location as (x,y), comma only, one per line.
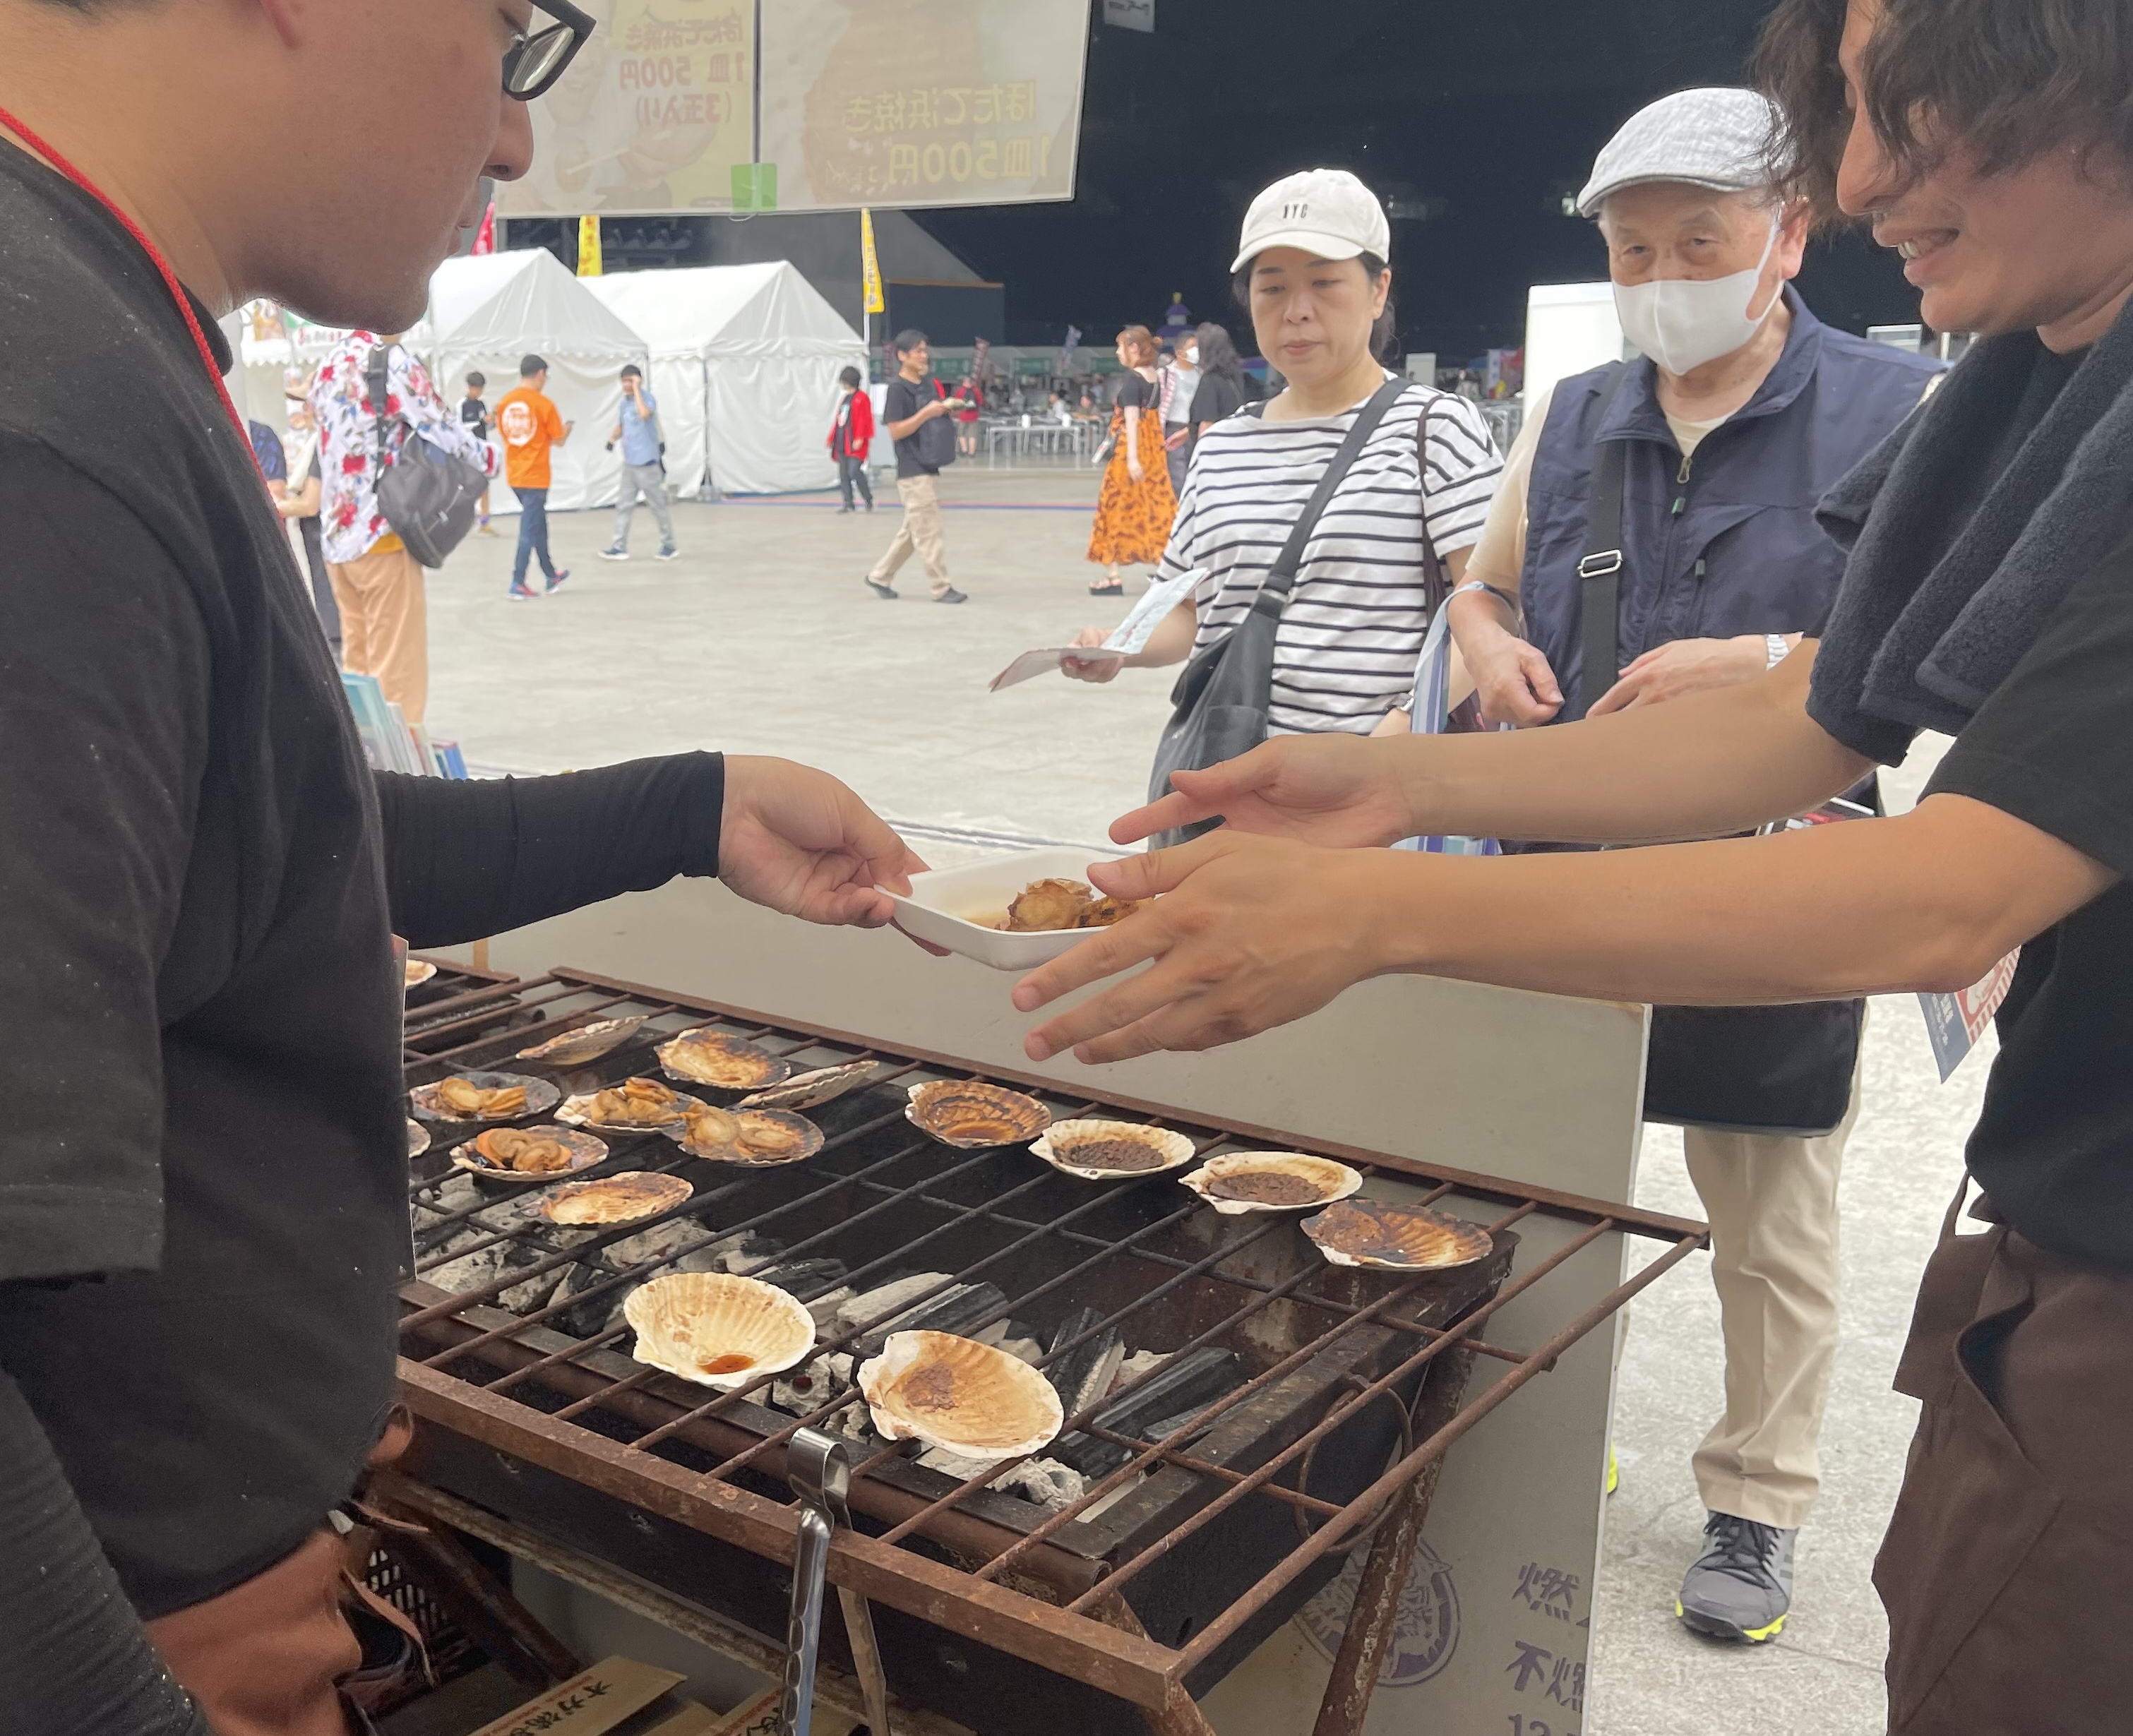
(925,442)
(376,582)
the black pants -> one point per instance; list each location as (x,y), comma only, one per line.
(853,471)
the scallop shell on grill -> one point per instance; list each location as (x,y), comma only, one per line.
(451,1098)
(418,1138)
(491,1154)
(812,1090)
(964,1113)
(761,1136)
(706,1057)
(1396,1238)
(1104,1151)
(955,1393)
(634,1106)
(1271,1181)
(717,1329)
(622,1198)
(587,1043)
(416,972)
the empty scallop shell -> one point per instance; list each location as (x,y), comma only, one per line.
(812,1090)
(1397,1237)
(478,1156)
(622,1199)
(1103,1150)
(418,1138)
(712,1058)
(1271,1181)
(587,1043)
(717,1329)
(963,1113)
(760,1137)
(416,972)
(433,1102)
(634,1106)
(958,1394)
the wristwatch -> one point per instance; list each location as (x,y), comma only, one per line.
(1777,647)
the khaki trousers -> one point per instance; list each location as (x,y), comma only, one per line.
(385,625)
(921,530)
(1772,1206)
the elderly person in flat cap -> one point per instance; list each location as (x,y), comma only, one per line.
(1655,537)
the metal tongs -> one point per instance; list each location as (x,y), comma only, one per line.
(821,1476)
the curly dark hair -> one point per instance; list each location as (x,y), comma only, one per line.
(2007,79)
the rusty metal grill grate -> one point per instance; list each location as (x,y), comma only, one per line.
(1331,1357)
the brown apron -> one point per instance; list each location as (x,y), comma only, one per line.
(2007,1570)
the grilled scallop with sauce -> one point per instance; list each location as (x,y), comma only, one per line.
(717,1329)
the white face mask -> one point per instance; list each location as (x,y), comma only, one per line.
(1681,324)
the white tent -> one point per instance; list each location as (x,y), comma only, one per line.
(486,312)
(744,363)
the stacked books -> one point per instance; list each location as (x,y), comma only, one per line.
(390,742)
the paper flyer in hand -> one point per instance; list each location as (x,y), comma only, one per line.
(1132,635)
(1955,1021)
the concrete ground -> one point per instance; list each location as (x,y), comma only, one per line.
(760,638)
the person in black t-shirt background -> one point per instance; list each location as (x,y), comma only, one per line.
(908,407)
(474,412)
(203,1166)
(1988,594)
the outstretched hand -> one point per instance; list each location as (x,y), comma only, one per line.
(1247,933)
(1333,790)
(797,841)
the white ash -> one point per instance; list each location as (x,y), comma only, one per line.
(655,1246)
(886,1300)
(825,1307)
(807,1388)
(1140,1363)
(1026,1349)
(1046,1482)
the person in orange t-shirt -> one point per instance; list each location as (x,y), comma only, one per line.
(530,423)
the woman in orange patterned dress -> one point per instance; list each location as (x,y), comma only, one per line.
(1134,510)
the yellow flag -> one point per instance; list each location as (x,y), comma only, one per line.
(870,266)
(589,246)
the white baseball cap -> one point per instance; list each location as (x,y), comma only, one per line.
(1713,137)
(1326,212)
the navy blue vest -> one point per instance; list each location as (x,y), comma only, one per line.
(1724,543)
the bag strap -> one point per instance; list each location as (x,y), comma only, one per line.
(1436,582)
(377,379)
(1280,577)
(1600,571)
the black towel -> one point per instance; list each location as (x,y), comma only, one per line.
(1960,551)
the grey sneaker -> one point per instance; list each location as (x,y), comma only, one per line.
(614,551)
(951,595)
(1740,1587)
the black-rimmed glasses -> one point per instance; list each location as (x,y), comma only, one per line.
(537,59)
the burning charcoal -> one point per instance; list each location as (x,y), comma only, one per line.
(589,1318)
(1084,1374)
(804,1277)
(1182,1389)
(749,1255)
(808,1388)
(884,1299)
(1028,1348)
(1140,1363)
(659,1244)
(957,1310)
(1046,1482)
(533,1294)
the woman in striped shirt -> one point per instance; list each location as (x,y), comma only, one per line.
(1311,271)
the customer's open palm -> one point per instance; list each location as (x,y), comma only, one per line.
(1334,790)
(795,840)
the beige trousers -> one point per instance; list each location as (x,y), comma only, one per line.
(921,530)
(385,625)
(1772,1206)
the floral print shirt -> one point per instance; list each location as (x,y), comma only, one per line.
(339,398)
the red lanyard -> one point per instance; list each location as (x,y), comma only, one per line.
(155,257)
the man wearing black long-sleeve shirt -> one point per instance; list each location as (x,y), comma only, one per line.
(202,1160)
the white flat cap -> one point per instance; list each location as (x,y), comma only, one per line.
(1326,212)
(1713,137)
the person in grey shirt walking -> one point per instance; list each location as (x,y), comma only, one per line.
(643,469)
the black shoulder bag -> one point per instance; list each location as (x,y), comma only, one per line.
(1785,1070)
(429,496)
(1219,706)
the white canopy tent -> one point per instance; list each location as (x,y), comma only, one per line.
(487,311)
(744,363)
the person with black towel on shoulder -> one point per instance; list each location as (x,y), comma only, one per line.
(203,1160)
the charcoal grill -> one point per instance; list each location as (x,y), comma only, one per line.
(1193,1539)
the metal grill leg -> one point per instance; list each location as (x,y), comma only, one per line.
(1181,1716)
(1369,1630)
